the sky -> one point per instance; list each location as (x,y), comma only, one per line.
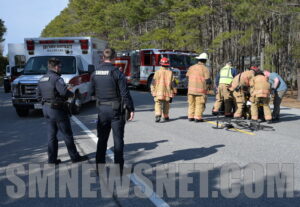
(27,18)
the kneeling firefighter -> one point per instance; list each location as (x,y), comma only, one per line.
(260,94)
(240,87)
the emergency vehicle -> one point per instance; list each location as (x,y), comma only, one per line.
(139,66)
(16,60)
(79,57)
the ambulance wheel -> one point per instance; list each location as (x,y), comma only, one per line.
(22,112)
(149,82)
(77,104)
(6,86)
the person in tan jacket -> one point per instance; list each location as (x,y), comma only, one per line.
(163,89)
(240,87)
(198,80)
(260,94)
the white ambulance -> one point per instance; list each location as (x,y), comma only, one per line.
(16,60)
(79,57)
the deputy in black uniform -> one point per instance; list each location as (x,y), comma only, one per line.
(111,91)
(54,93)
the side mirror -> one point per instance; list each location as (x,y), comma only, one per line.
(20,70)
(91,68)
(80,71)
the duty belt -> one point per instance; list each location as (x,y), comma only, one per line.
(105,102)
(47,103)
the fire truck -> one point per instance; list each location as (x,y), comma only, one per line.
(139,66)
(79,57)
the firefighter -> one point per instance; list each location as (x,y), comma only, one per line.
(110,89)
(54,93)
(198,81)
(240,87)
(260,94)
(279,88)
(163,89)
(223,82)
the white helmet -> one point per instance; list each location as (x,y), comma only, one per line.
(202,56)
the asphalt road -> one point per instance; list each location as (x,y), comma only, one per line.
(23,141)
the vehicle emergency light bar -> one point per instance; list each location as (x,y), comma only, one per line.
(182,51)
(56,41)
(84,44)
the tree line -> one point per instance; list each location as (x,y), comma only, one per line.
(3,60)
(239,30)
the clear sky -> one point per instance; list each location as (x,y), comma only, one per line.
(27,18)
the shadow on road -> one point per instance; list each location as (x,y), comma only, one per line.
(288,117)
(184,155)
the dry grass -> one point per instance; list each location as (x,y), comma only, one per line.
(290,100)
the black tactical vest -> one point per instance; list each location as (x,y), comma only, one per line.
(106,87)
(47,87)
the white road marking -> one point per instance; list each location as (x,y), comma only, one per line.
(154,198)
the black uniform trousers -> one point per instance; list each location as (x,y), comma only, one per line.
(59,121)
(108,119)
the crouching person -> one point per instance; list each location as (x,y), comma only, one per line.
(260,94)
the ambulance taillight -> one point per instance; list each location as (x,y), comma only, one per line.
(84,46)
(66,41)
(46,42)
(30,46)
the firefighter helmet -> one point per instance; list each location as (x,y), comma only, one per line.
(165,62)
(202,56)
(254,68)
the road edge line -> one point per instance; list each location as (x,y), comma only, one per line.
(154,198)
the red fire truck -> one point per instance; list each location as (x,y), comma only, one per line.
(139,66)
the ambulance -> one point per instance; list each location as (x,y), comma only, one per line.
(139,66)
(79,57)
(16,60)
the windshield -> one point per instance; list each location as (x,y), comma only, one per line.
(38,65)
(177,60)
(191,60)
(182,60)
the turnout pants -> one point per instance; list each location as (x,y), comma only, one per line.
(225,95)
(109,118)
(254,108)
(239,99)
(196,106)
(278,95)
(161,107)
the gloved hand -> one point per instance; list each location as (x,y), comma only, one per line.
(171,99)
(237,89)
(272,91)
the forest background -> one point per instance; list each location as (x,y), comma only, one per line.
(238,30)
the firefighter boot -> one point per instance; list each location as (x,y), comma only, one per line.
(157,118)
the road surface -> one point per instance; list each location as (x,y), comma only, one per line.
(227,156)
